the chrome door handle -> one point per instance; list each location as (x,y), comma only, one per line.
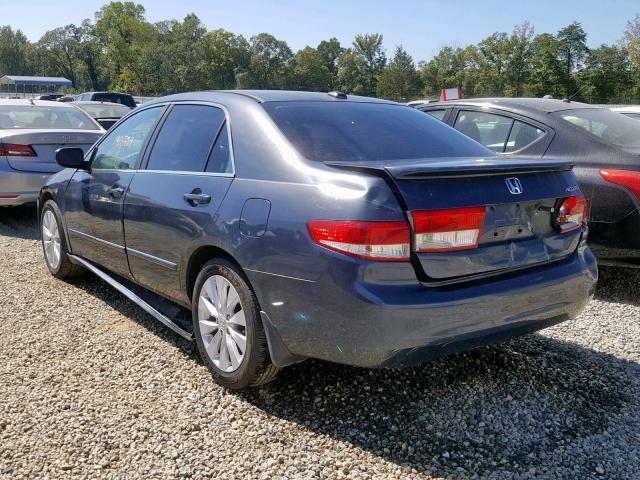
(197,198)
(115,192)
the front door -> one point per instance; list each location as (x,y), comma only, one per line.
(100,192)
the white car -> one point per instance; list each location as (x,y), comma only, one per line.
(30,133)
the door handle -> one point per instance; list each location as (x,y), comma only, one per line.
(115,192)
(197,198)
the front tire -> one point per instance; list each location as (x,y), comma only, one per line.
(228,329)
(54,243)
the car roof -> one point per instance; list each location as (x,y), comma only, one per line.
(524,105)
(97,102)
(28,103)
(265,96)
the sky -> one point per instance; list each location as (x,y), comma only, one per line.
(420,26)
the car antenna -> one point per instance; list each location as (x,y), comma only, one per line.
(568,100)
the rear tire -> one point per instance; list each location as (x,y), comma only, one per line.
(54,243)
(228,329)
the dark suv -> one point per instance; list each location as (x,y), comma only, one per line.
(276,226)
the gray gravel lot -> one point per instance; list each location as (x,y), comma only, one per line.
(92,387)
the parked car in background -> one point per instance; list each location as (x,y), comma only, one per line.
(67,98)
(604,145)
(105,113)
(631,111)
(30,133)
(113,97)
(51,96)
(348,229)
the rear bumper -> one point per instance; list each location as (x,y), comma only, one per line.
(354,317)
(20,187)
(617,244)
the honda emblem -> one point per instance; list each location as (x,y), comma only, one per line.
(514,186)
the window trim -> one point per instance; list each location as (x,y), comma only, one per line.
(152,140)
(549,133)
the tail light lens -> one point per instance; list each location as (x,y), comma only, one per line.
(449,229)
(624,178)
(572,214)
(382,241)
(16,150)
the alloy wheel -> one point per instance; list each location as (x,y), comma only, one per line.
(51,239)
(222,324)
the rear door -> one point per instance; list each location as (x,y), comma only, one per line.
(172,201)
(95,196)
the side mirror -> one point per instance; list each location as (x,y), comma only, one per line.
(70,157)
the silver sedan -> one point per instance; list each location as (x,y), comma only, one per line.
(30,133)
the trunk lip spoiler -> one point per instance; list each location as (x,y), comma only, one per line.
(418,169)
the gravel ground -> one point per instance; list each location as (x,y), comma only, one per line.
(92,387)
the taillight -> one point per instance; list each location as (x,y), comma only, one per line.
(448,229)
(571,214)
(16,150)
(382,241)
(624,178)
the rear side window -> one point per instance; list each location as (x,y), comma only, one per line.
(220,158)
(490,130)
(185,139)
(522,134)
(497,132)
(353,131)
(439,114)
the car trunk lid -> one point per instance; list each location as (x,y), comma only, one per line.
(44,143)
(518,198)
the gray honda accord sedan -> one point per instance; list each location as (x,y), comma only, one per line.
(271,227)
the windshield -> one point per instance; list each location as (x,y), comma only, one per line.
(613,128)
(105,110)
(114,98)
(350,131)
(36,116)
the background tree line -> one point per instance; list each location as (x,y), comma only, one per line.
(121,50)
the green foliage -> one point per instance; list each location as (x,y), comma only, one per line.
(121,50)
(399,80)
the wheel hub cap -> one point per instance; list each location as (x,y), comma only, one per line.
(51,239)
(222,323)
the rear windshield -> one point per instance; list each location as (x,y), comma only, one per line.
(105,110)
(350,131)
(36,116)
(613,128)
(114,98)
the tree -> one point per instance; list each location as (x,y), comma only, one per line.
(350,68)
(546,69)
(61,47)
(606,76)
(13,52)
(329,52)
(495,50)
(220,54)
(399,80)
(369,47)
(519,65)
(310,71)
(269,63)
(572,50)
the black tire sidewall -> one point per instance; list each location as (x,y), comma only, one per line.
(251,364)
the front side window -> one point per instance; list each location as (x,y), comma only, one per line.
(363,132)
(185,139)
(37,116)
(613,128)
(121,147)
